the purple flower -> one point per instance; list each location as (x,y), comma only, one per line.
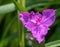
(38,23)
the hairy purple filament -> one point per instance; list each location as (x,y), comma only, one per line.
(37,20)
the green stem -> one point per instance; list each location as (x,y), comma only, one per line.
(23,3)
(23,37)
(21,28)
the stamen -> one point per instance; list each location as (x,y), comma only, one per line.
(39,18)
(34,21)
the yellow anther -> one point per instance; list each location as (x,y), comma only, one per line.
(34,21)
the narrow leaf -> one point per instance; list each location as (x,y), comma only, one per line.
(53,43)
(7,8)
(20,7)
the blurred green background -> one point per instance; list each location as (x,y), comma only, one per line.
(8,22)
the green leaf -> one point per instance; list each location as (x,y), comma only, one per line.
(36,5)
(19,6)
(7,8)
(53,43)
(32,4)
(8,27)
(58,12)
(7,40)
(56,35)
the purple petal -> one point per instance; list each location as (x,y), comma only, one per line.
(48,17)
(49,21)
(24,17)
(39,32)
(30,26)
(48,13)
(32,13)
(40,39)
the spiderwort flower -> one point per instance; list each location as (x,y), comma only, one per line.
(38,23)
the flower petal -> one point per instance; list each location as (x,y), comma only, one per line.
(48,13)
(30,25)
(49,21)
(24,17)
(40,32)
(40,39)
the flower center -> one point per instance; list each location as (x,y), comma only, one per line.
(36,20)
